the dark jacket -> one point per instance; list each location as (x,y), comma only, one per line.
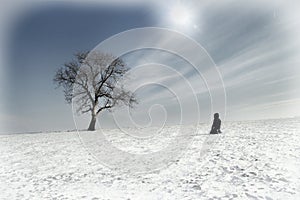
(216,126)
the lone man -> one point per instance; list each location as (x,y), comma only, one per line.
(215,128)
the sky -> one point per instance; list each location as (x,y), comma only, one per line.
(251,47)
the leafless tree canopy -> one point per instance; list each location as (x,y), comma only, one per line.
(92,82)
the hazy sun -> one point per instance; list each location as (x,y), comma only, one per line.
(180,15)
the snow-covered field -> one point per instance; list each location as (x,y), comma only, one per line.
(250,160)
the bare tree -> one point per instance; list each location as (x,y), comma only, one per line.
(92,82)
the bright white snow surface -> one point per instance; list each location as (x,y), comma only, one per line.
(250,160)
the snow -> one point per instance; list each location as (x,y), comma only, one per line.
(250,160)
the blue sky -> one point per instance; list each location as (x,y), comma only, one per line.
(255,48)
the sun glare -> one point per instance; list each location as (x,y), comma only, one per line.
(180,15)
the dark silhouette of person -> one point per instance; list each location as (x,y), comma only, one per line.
(215,128)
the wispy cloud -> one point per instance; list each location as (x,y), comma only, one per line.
(253,50)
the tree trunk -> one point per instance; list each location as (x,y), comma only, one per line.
(92,123)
